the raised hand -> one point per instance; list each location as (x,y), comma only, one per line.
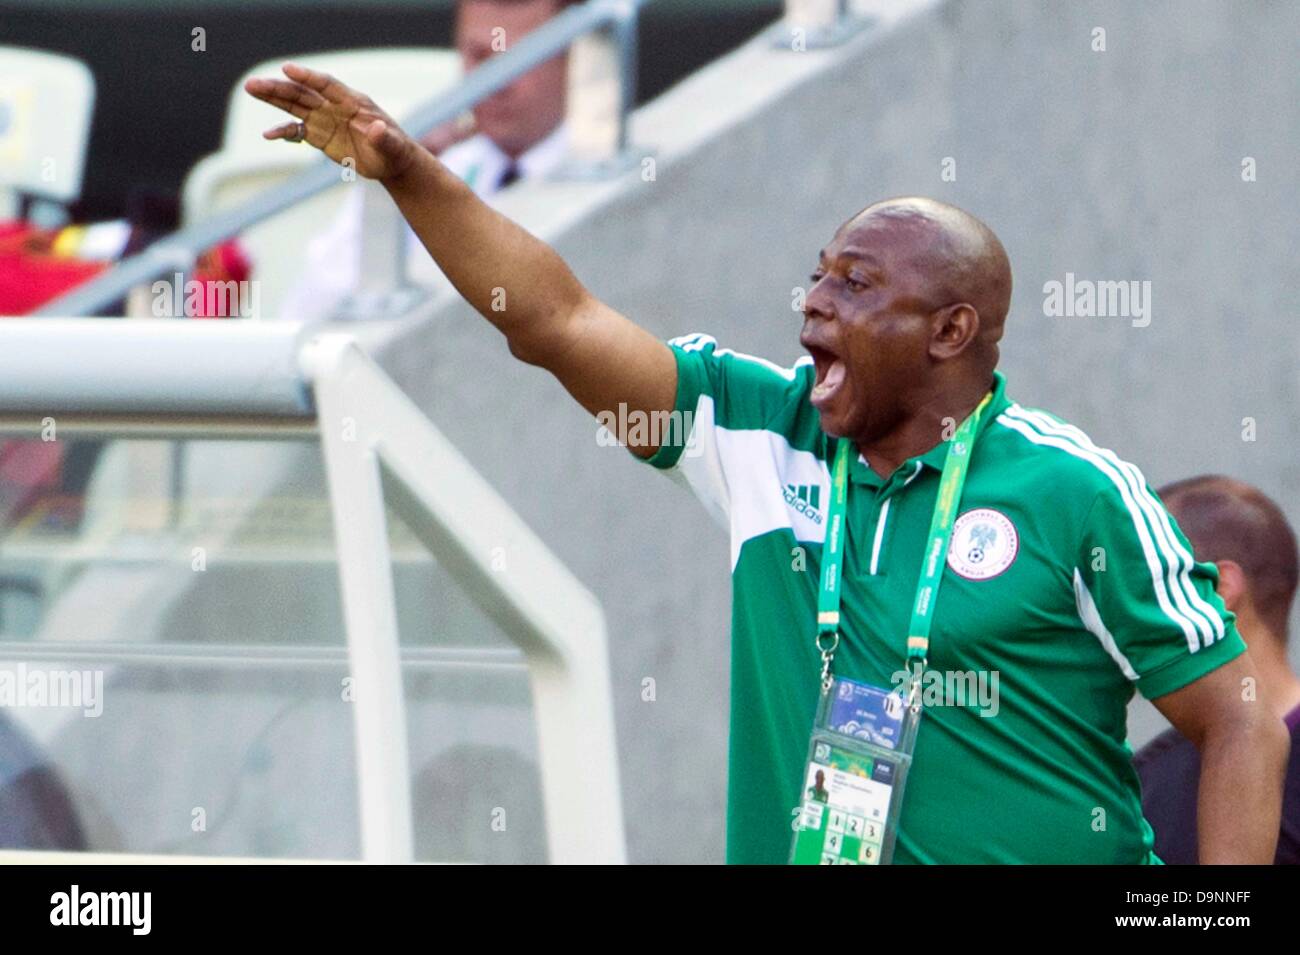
(340,122)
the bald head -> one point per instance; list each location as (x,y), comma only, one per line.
(907,304)
(960,257)
(1229,520)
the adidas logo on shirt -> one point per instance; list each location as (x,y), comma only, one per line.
(806,499)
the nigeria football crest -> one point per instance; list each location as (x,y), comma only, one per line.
(984,544)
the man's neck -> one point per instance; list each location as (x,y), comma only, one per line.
(935,421)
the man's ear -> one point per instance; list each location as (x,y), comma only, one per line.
(957,326)
(1232,585)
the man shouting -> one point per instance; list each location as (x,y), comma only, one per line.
(1024,580)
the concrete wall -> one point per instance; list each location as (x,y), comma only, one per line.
(1122,164)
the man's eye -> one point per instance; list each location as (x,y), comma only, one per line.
(815,277)
(855,285)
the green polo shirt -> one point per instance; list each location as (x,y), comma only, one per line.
(1067,586)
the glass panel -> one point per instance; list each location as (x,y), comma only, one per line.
(173,664)
(198,542)
(476,788)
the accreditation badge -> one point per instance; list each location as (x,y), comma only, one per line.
(858,758)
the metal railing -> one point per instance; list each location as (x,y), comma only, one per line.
(378,449)
(603,35)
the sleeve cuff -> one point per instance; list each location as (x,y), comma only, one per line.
(689,389)
(1178,673)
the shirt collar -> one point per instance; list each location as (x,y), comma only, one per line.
(935,457)
(546,154)
(483,158)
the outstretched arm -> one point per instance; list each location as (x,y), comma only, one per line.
(514,280)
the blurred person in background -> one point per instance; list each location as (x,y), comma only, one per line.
(518,133)
(1240,530)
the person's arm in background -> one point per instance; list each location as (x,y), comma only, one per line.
(513,279)
(1244,749)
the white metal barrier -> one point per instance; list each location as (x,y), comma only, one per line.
(210,379)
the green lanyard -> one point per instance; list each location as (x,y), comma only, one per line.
(951,482)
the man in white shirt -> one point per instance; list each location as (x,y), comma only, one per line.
(517,133)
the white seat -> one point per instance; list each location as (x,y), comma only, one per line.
(398,79)
(46,102)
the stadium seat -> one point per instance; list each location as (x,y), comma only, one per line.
(46,102)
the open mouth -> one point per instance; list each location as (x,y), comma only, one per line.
(830,371)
